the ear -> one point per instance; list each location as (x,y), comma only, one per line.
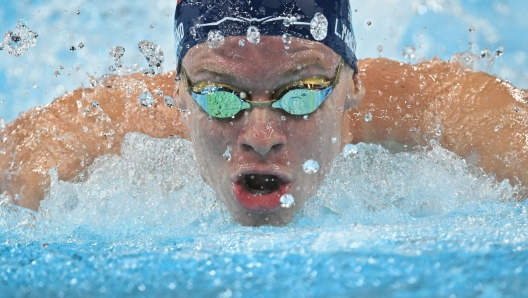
(355,97)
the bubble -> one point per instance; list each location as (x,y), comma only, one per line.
(241,42)
(168,101)
(146,99)
(253,34)
(287,201)
(18,41)
(227,153)
(311,166)
(368,117)
(154,55)
(319,26)
(350,149)
(215,39)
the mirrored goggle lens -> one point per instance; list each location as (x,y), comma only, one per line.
(302,101)
(220,104)
(224,104)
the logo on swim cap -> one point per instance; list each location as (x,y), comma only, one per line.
(324,21)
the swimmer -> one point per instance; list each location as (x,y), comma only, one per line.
(278,84)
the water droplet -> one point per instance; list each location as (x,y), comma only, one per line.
(243,95)
(146,99)
(319,26)
(21,39)
(94,103)
(85,129)
(422,9)
(287,201)
(56,73)
(380,49)
(117,54)
(151,26)
(78,12)
(72,48)
(227,153)
(289,21)
(334,140)
(210,119)
(81,45)
(369,23)
(215,39)
(153,54)
(499,51)
(368,117)
(311,166)
(409,53)
(350,149)
(253,34)
(241,42)
(283,118)
(168,101)
(286,38)
(497,128)
(305,117)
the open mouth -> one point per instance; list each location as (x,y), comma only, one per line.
(260,192)
(261,184)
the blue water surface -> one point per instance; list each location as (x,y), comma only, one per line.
(144,224)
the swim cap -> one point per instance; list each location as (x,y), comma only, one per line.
(325,21)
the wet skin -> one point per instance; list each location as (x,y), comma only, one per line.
(266,143)
(409,103)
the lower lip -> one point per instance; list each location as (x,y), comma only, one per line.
(259,203)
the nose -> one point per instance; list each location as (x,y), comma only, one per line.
(262,131)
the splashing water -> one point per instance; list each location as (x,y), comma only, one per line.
(311,166)
(227,153)
(215,39)
(319,26)
(117,54)
(154,56)
(168,101)
(381,224)
(146,99)
(368,117)
(253,34)
(18,41)
(287,201)
(350,149)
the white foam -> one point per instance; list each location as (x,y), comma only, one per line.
(154,190)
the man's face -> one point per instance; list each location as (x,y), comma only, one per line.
(256,157)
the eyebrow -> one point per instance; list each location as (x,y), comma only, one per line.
(291,72)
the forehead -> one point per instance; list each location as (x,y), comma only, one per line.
(268,58)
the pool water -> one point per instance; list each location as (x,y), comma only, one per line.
(413,224)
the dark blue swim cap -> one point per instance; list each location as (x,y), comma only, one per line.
(326,21)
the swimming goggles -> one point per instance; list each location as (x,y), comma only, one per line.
(224,101)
